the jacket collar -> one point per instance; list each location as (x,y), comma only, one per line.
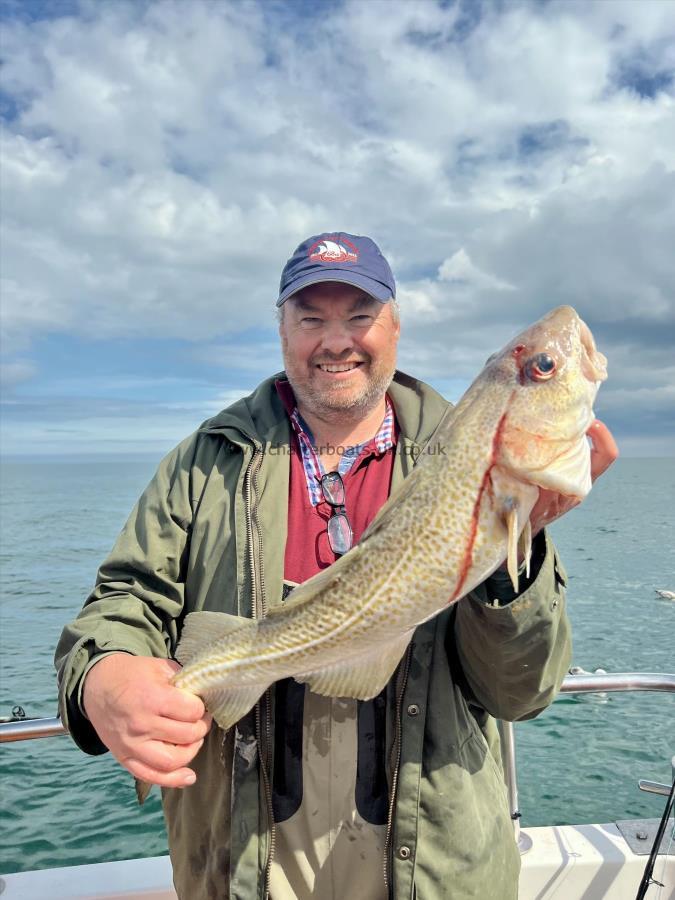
(252,419)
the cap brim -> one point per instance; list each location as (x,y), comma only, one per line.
(375,289)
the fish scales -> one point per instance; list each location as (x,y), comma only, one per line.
(458,515)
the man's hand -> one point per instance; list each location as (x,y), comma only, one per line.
(151,727)
(551,505)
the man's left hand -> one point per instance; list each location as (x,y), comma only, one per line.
(551,505)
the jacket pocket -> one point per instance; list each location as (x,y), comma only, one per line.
(477,736)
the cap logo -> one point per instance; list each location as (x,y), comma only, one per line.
(333,251)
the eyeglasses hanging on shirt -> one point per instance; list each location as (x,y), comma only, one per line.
(339,530)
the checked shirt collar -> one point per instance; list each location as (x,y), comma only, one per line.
(383,441)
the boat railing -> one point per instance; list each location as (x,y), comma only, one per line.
(580,682)
(23,729)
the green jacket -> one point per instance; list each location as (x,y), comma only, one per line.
(209,532)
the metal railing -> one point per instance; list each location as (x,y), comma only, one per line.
(27,729)
(581,683)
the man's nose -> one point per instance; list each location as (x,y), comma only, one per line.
(336,338)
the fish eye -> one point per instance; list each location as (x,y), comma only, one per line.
(541,367)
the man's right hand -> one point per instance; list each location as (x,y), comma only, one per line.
(151,727)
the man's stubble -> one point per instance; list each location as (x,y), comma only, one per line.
(333,403)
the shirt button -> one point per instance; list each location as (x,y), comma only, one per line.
(413,710)
(404,852)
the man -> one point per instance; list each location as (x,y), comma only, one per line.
(310,796)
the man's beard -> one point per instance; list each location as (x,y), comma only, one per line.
(328,401)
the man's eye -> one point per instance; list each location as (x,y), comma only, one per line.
(310,321)
(362,319)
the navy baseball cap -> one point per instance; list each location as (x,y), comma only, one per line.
(337,256)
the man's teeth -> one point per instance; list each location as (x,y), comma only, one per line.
(341,367)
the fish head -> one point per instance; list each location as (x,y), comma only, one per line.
(554,371)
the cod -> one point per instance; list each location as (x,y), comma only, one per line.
(462,511)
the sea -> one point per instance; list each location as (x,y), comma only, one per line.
(579,761)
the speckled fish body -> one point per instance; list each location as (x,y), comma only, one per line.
(520,426)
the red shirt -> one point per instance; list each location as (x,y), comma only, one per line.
(367,486)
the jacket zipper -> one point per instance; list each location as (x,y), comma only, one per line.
(401,683)
(262,707)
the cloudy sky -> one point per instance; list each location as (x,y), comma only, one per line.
(161,160)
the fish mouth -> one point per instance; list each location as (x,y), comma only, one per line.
(568,473)
(564,460)
(593,363)
(573,471)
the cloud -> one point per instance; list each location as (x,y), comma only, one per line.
(460,269)
(12,373)
(161,160)
(260,356)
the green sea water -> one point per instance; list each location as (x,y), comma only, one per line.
(578,762)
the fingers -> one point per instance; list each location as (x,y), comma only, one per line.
(140,725)
(179,778)
(164,757)
(604,450)
(174,732)
(162,763)
(169,666)
(161,756)
(181,705)
(151,727)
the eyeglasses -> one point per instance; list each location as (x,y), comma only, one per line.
(339,529)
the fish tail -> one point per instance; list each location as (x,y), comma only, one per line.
(226,703)
(143,788)
(229,704)
(200,629)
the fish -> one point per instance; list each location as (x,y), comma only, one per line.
(461,512)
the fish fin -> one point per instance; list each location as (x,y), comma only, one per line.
(362,677)
(525,545)
(228,705)
(512,554)
(203,628)
(143,788)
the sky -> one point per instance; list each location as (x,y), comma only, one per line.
(161,159)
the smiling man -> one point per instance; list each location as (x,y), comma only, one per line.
(339,346)
(311,796)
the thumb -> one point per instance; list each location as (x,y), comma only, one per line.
(168,668)
(604,450)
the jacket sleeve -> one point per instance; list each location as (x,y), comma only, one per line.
(138,595)
(515,656)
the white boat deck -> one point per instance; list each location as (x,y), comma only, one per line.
(589,862)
